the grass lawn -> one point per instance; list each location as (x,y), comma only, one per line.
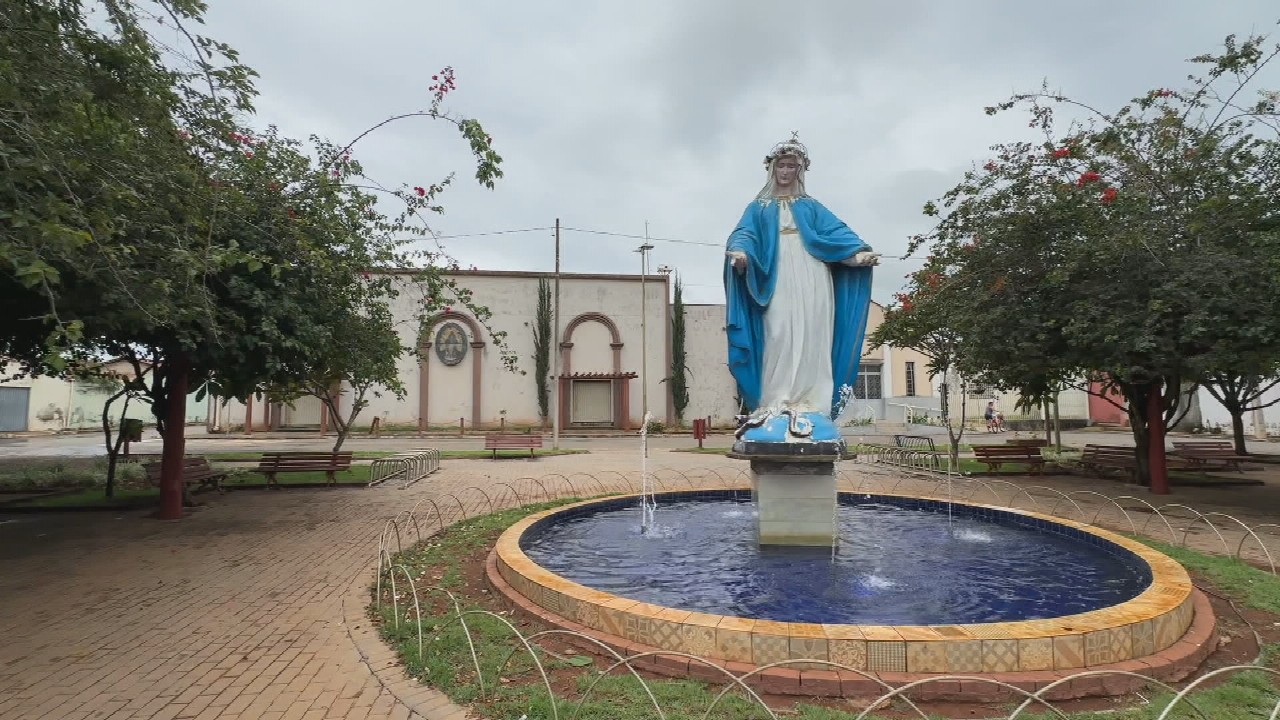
(95,497)
(448,560)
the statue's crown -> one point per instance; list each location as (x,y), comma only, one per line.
(789,147)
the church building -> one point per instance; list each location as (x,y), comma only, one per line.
(614,358)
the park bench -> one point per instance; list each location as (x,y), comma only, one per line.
(195,471)
(273,463)
(1100,458)
(993,456)
(517,441)
(1200,454)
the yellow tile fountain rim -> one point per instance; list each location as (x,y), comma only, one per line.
(1154,620)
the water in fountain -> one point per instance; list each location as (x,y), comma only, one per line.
(648,502)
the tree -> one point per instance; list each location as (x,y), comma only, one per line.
(141,219)
(679,366)
(1115,248)
(921,319)
(542,338)
(1240,394)
(361,355)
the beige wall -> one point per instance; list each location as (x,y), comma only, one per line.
(711,386)
(57,405)
(513,299)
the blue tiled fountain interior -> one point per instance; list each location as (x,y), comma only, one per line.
(900,561)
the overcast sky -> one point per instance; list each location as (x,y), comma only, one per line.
(610,114)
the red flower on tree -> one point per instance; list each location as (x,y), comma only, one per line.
(990,166)
(422,192)
(1088,177)
(1109,195)
(1062,152)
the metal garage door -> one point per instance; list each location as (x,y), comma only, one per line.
(592,402)
(13,409)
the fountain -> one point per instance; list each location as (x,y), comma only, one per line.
(792,571)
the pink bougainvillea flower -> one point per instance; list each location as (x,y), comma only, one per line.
(422,192)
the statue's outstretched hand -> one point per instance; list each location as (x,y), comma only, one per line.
(739,260)
(866,258)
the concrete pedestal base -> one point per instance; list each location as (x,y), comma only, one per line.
(795,501)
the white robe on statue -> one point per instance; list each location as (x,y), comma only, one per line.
(799,327)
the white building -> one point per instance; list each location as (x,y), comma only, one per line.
(608,350)
(47,404)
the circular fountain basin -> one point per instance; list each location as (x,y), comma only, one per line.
(915,585)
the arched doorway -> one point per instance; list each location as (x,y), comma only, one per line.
(595,398)
(444,340)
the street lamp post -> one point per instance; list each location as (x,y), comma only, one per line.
(644,317)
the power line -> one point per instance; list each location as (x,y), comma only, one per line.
(607,233)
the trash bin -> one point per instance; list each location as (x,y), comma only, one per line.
(131,429)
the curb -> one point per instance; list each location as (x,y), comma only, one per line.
(423,702)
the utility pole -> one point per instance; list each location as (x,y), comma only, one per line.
(555,352)
(644,317)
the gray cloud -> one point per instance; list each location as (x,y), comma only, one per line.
(613,114)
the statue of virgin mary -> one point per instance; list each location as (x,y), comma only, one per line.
(797,289)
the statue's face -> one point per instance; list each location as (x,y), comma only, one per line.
(785,170)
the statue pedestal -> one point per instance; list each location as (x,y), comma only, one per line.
(795,502)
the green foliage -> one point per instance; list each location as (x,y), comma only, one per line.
(36,475)
(542,339)
(679,366)
(141,216)
(1116,248)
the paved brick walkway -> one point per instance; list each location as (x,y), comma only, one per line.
(252,607)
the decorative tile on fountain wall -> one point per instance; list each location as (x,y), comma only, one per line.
(589,615)
(612,621)
(850,653)
(1186,613)
(1068,651)
(664,634)
(1035,654)
(1108,646)
(1166,631)
(926,657)
(699,639)
(807,648)
(887,656)
(964,656)
(637,628)
(767,649)
(733,645)
(999,655)
(1144,638)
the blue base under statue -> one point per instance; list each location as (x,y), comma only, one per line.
(787,434)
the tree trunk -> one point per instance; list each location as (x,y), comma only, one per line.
(1158,469)
(1057,424)
(174,437)
(1237,431)
(1048,426)
(1136,406)
(113,449)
